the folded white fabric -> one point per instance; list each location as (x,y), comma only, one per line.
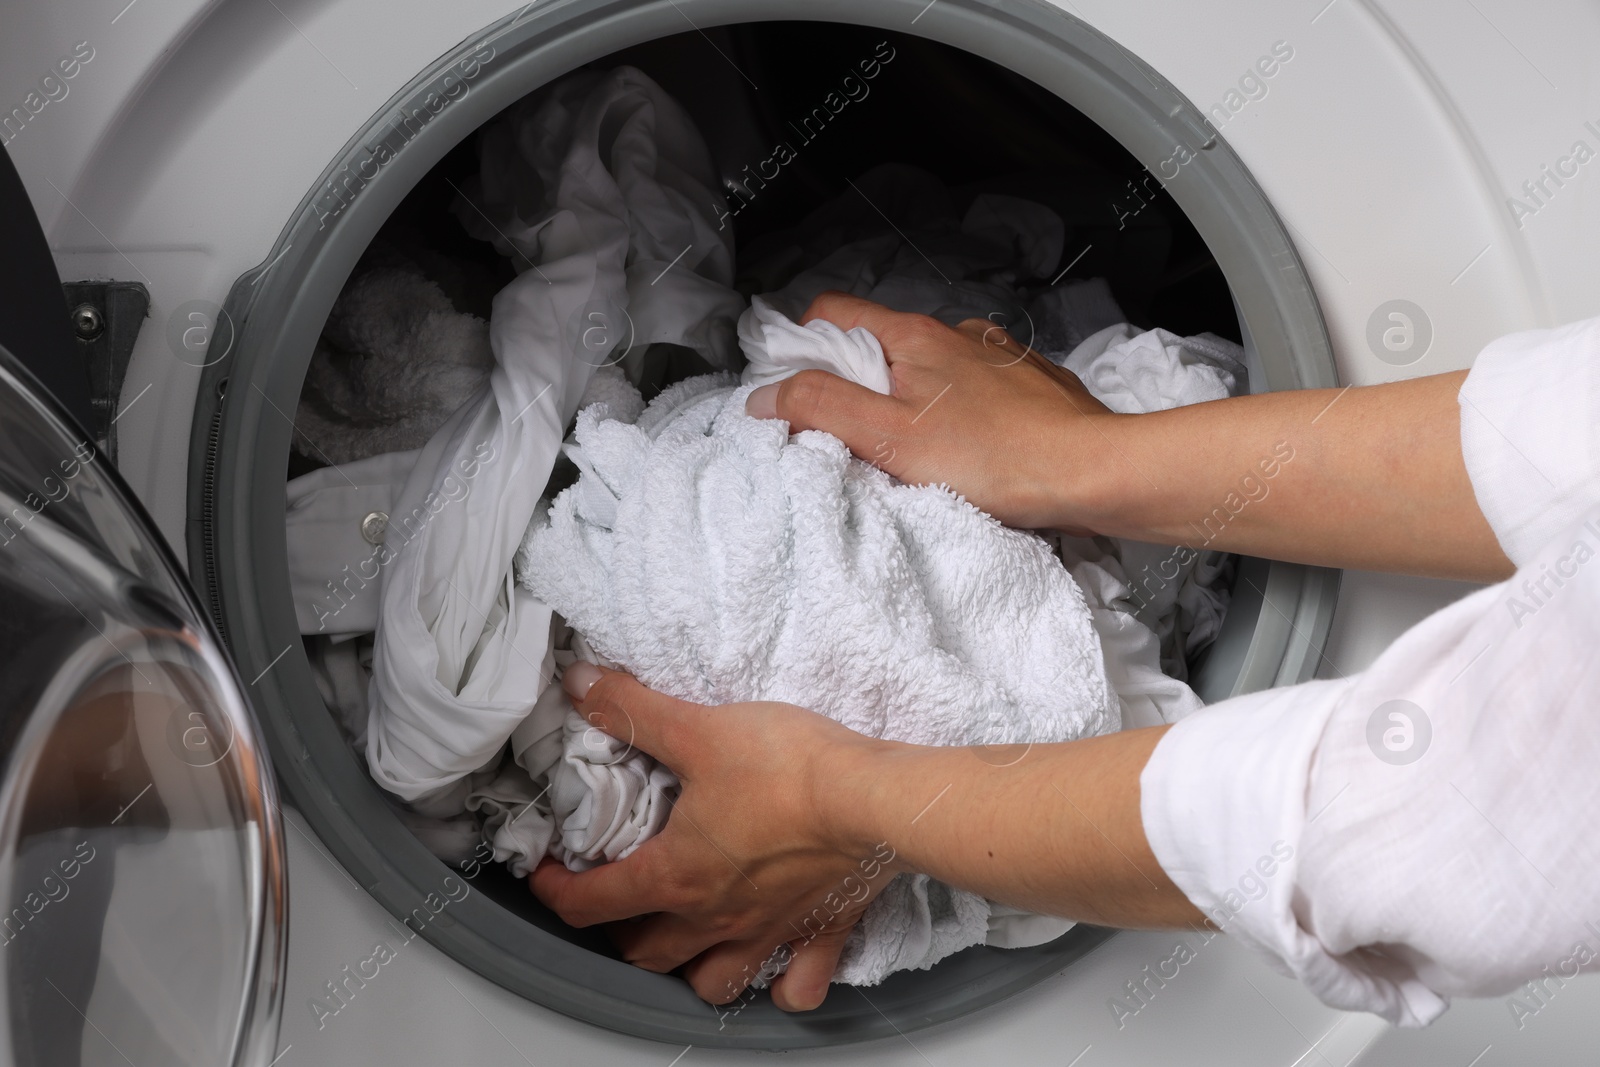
(718,559)
(603,191)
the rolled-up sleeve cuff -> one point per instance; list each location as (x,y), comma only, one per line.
(1223,801)
(1528,433)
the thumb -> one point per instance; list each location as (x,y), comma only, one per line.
(804,985)
(867,422)
(617,704)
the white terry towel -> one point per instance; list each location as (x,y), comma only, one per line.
(394,361)
(718,559)
(603,191)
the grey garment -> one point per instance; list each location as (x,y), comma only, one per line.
(898,239)
(1063,316)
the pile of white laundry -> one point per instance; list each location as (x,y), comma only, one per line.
(709,553)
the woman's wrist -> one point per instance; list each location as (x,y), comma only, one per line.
(856,786)
(1095,484)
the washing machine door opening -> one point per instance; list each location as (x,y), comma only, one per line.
(1016,99)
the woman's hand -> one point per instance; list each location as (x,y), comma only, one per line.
(748,861)
(1368,477)
(972,408)
(788,825)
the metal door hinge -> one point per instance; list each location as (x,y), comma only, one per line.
(106,317)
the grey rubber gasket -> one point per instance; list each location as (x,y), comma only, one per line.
(1274,633)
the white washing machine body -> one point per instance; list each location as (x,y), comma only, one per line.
(1424,157)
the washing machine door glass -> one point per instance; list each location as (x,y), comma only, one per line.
(140,858)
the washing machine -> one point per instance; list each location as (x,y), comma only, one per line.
(1356,191)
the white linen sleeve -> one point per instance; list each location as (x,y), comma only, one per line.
(1530,433)
(1420,830)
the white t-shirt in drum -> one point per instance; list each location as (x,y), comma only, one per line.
(1427,828)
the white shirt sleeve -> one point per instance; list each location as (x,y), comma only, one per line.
(1423,829)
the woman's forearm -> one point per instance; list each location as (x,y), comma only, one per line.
(1054,828)
(1361,477)
(1368,477)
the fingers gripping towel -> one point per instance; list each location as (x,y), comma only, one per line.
(719,559)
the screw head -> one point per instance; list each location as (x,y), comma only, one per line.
(87,322)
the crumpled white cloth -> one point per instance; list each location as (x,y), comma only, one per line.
(718,560)
(1133,370)
(777,347)
(1171,589)
(444,693)
(975,266)
(602,190)
(1149,694)
(610,559)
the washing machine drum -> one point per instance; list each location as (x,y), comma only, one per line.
(1152,198)
(140,862)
